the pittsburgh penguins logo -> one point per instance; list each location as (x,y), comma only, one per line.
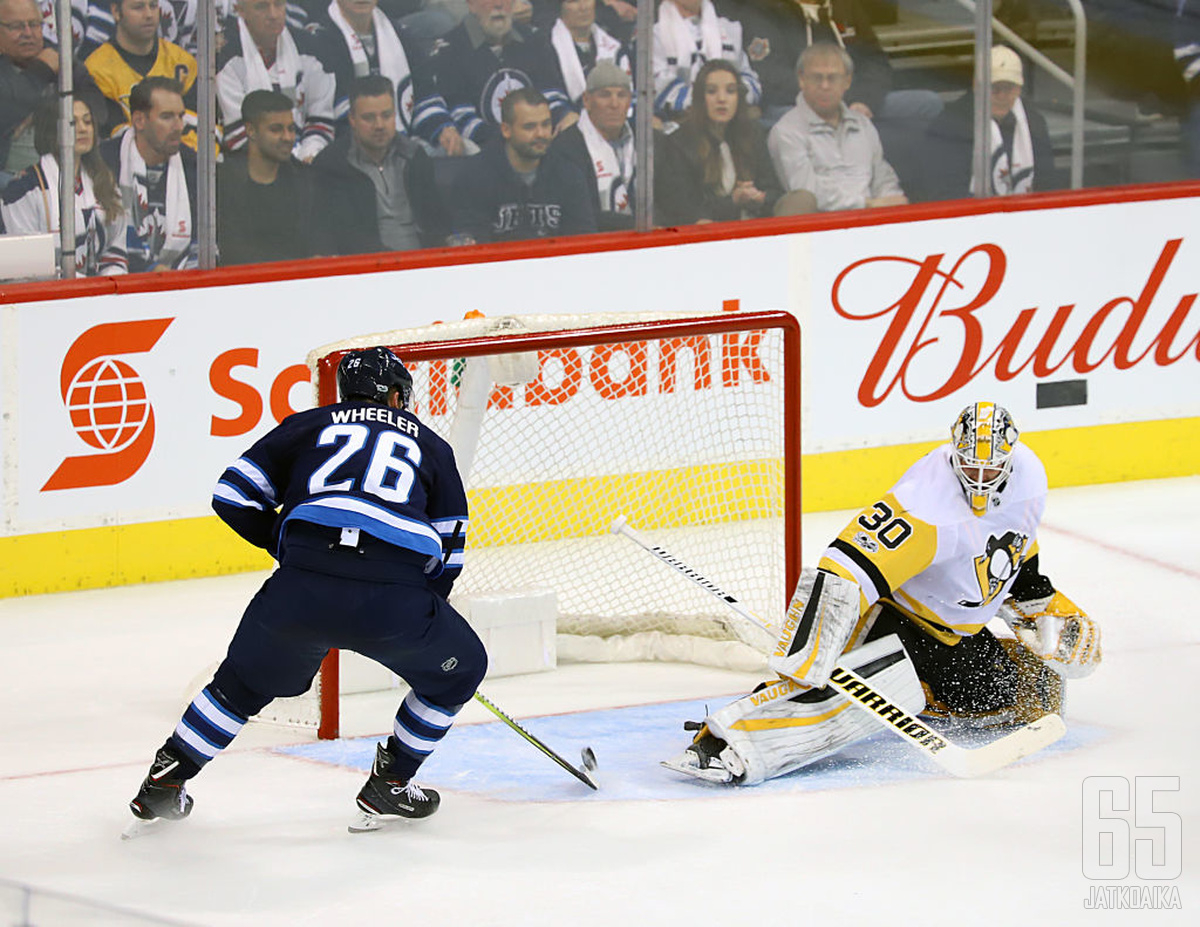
(997,565)
(498,86)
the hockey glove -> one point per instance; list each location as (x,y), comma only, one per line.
(1057,630)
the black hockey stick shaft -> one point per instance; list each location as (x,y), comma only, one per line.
(581,774)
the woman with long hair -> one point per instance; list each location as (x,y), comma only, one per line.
(715,167)
(30,202)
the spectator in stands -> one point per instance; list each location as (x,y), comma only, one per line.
(179,23)
(28,70)
(689,33)
(601,145)
(358,39)
(30,204)
(1133,53)
(377,190)
(262,52)
(775,32)
(511,190)
(479,62)
(135,53)
(1022,158)
(265,198)
(826,148)
(616,17)
(301,14)
(93,23)
(579,43)
(156,177)
(49,11)
(714,167)
(619,19)
(1187,55)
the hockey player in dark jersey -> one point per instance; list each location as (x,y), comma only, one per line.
(364,509)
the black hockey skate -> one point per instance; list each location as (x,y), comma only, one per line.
(383,797)
(708,758)
(162,796)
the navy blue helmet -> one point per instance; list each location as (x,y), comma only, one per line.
(372,374)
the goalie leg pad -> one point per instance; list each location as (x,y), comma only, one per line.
(822,614)
(786,726)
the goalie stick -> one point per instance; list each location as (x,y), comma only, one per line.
(956,760)
(584,775)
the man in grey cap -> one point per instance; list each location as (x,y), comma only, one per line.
(601,144)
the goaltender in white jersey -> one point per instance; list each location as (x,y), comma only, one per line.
(902,596)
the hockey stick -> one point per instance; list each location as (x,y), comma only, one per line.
(589,758)
(956,760)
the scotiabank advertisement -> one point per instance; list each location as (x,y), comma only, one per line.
(124,409)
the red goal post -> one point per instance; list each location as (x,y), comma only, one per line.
(687,424)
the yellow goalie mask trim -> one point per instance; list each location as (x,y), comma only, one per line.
(984,437)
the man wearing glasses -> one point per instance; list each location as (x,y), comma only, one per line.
(27,70)
(822,146)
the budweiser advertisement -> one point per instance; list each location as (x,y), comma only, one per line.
(1072,317)
(125,409)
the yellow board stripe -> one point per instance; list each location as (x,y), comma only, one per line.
(61,561)
(656,499)
(119,555)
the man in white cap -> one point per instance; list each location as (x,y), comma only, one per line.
(1022,158)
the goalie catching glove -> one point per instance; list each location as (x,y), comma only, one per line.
(822,613)
(1057,630)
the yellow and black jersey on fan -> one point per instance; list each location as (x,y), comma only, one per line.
(923,550)
(115,73)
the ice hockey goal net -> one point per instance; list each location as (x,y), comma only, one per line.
(688,425)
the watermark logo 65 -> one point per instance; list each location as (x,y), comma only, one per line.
(1128,830)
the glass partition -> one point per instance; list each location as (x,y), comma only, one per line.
(242,131)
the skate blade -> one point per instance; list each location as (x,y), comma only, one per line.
(715,775)
(139,828)
(364,822)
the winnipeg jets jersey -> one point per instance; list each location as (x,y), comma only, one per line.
(922,549)
(351,465)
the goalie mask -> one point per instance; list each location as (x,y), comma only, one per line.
(984,438)
(372,374)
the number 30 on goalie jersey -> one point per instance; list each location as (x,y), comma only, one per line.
(922,548)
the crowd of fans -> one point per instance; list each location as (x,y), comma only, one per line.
(355,126)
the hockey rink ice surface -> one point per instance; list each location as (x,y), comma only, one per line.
(92,683)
